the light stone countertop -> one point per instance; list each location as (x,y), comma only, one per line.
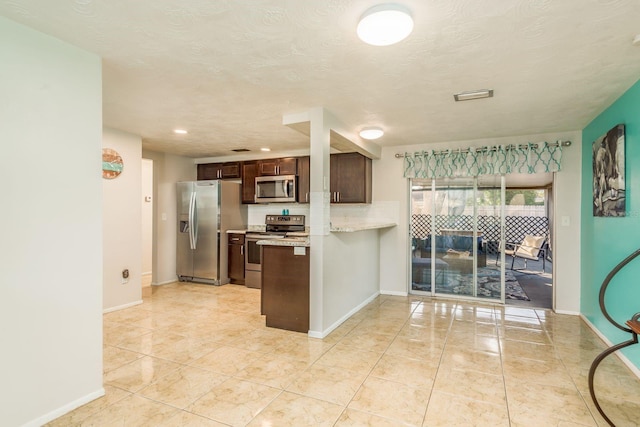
(352,227)
(289,233)
(287,241)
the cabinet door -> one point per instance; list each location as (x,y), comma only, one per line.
(304,183)
(271,167)
(208,171)
(288,166)
(249,173)
(230,170)
(350,178)
(268,167)
(236,258)
(285,288)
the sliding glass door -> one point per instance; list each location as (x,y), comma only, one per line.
(456,229)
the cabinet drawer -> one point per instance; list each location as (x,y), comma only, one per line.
(236,239)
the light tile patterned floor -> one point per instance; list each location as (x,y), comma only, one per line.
(196,355)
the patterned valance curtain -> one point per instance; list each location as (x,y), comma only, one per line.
(492,160)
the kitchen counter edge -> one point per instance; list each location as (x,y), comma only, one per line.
(351,228)
(285,242)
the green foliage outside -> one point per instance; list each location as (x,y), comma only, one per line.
(513,197)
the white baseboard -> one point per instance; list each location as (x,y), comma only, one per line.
(571,313)
(121,307)
(318,334)
(44,419)
(619,354)
(164,283)
(394,293)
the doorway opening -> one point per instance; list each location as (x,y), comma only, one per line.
(147,225)
(470,238)
(529,222)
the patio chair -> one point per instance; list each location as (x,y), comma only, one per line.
(531,248)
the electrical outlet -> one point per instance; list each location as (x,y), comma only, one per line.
(125,276)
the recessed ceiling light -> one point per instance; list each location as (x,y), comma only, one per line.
(473,94)
(371,133)
(265,149)
(180,131)
(385,24)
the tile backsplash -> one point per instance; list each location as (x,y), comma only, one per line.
(386,211)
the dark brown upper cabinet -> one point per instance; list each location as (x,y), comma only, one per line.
(227,170)
(284,166)
(350,178)
(304,179)
(249,173)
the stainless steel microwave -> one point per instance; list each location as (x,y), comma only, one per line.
(270,189)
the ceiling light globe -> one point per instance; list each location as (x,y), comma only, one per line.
(371,133)
(385,24)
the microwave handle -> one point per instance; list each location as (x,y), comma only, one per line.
(285,187)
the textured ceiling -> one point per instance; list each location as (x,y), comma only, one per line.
(229,70)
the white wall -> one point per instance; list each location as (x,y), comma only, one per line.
(51,226)
(122,216)
(389,185)
(351,276)
(147,216)
(566,249)
(167,170)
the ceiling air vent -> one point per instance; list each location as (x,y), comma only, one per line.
(240,150)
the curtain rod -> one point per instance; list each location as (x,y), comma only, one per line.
(489,148)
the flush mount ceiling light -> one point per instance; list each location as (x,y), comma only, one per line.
(371,133)
(180,131)
(265,149)
(385,24)
(473,94)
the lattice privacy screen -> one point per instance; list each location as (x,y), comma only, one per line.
(496,160)
(516,227)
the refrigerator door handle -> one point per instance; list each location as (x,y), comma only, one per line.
(195,221)
(192,203)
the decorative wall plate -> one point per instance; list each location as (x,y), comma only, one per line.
(112,164)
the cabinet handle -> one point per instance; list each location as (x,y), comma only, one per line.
(242,250)
(306,197)
(338,196)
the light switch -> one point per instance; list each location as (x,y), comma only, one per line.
(565,221)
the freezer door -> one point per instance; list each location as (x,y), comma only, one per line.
(184,254)
(207,211)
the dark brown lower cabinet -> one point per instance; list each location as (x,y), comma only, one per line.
(285,288)
(236,258)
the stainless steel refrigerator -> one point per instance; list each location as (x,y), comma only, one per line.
(206,210)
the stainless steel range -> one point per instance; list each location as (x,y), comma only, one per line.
(276,227)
